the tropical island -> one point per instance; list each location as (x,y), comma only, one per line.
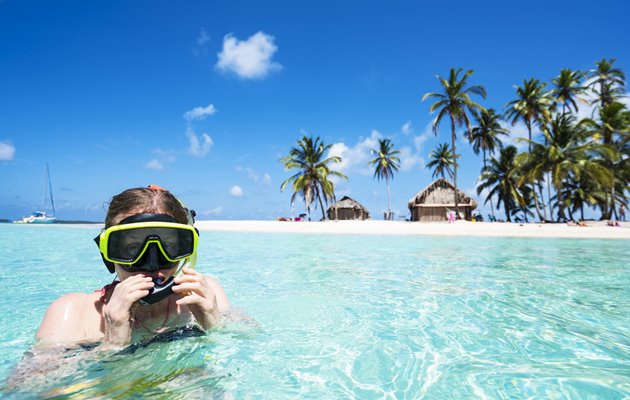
(576,161)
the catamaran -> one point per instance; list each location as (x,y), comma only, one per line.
(41,217)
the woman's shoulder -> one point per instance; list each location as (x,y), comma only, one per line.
(74,301)
(65,318)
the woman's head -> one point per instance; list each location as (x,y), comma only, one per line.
(152,199)
(142,205)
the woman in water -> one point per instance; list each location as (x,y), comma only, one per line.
(150,243)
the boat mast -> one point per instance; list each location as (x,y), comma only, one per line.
(52,202)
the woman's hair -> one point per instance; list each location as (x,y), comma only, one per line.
(145,200)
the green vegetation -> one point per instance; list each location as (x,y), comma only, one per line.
(442,161)
(454,100)
(311,181)
(583,162)
(387,162)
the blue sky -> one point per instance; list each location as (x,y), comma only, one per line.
(204,98)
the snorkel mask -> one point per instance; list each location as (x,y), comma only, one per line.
(150,242)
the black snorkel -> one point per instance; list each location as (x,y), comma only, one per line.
(160,290)
(153,261)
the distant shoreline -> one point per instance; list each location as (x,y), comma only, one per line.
(594,230)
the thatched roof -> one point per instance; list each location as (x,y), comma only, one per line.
(440,194)
(348,202)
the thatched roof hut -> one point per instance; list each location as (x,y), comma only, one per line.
(347,208)
(437,200)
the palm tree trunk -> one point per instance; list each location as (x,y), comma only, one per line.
(319,197)
(560,205)
(613,211)
(389,202)
(529,134)
(454,166)
(506,203)
(549,195)
(484,167)
(542,200)
(604,207)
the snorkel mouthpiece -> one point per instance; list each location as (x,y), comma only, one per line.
(161,290)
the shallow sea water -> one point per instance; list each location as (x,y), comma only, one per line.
(341,316)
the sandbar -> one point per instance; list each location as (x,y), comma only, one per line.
(593,230)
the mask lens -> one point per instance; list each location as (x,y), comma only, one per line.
(127,245)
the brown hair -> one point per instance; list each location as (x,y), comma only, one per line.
(145,200)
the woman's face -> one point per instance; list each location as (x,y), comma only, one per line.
(126,271)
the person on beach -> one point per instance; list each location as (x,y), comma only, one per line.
(150,242)
(622,212)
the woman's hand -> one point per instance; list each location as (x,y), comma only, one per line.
(199,296)
(118,311)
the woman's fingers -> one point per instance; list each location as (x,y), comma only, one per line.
(131,290)
(189,287)
(191,299)
(189,275)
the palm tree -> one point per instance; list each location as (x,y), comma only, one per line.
(387,162)
(612,129)
(608,82)
(441,161)
(311,181)
(568,88)
(454,101)
(579,193)
(485,136)
(502,178)
(531,106)
(568,154)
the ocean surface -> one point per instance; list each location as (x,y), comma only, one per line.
(342,316)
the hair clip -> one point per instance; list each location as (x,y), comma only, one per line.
(156,187)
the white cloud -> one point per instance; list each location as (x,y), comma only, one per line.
(419,140)
(588,110)
(203,37)
(251,58)
(254,176)
(518,131)
(236,191)
(199,113)
(407,129)
(162,157)
(355,158)
(155,164)
(214,211)
(197,147)
(7,151)
(408,159)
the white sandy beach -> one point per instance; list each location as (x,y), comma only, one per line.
(594,230)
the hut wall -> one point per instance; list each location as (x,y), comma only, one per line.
(429,214)
(439,213)
(347,214)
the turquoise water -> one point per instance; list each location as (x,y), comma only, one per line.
(334,316)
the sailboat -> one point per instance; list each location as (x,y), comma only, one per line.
(41,217)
